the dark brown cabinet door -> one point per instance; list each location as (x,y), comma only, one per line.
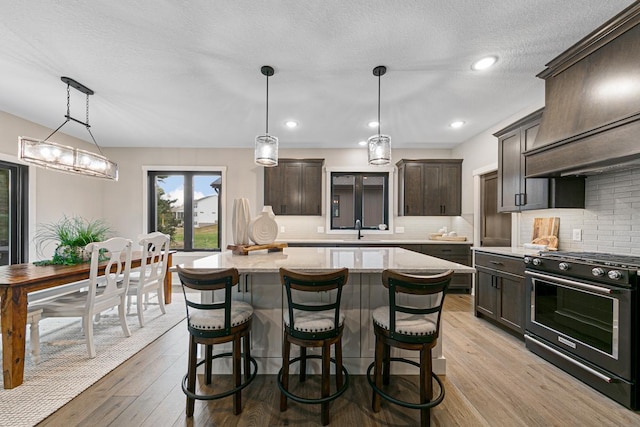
(486,301)
(511,302)
(294,187)
(413,189)
(536,190)
(432,199)
(311,189)
(450,189)
(509,176)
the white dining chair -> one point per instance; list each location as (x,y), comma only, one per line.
(150,276)
(102,293)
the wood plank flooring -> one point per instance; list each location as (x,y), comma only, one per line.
(492,380)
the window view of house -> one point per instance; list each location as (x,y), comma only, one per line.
(186,206)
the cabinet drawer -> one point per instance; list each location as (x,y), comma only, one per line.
(513,265)
(440,250)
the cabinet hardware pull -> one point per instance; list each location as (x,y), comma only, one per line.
(407,210)
(515,199)
(496,262)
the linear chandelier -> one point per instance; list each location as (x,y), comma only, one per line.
(379,145)
(51,155)
(266,150)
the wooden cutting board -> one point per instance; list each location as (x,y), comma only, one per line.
(545,231)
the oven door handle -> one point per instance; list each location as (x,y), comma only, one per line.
(573,283)
(572,361)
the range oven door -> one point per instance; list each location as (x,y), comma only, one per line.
(588,320)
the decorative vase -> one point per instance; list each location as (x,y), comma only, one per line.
(240,221)
(263,229)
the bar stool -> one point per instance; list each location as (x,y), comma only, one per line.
(313,324)
(216,323)
(410,328)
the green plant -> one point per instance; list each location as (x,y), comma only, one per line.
(72,234)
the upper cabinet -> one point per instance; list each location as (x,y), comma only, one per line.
(294,187)
(515,193)
(429,187)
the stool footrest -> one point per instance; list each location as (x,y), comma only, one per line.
(225,393)
(385,396)
(329,398)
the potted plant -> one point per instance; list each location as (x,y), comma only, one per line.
(71,235)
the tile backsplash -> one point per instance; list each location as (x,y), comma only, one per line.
(610,221)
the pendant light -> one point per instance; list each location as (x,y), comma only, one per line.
(379,145)
(51,155)
(266,152)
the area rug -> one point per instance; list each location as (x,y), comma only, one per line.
(65,370)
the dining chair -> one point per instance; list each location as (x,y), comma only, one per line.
(103,292)
(313,319)
(409,324)
(149,277)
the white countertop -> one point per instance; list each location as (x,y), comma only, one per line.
(370,241)
(357,259)
(506,250)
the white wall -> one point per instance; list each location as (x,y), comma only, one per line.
(124,202)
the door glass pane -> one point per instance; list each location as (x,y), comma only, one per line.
(4,217)
(170,208)
(206,204)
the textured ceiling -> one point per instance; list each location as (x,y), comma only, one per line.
(187,74)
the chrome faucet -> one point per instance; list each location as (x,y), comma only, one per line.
(358,227)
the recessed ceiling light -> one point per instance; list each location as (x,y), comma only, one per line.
(457,124)
(291,124)
(362,143)
(484,63)
(373,124)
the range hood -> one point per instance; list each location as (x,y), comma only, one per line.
(591,120)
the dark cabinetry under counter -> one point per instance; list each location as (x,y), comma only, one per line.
(515,193)
(460,253)
(294,187)
(429,187)
(500,290)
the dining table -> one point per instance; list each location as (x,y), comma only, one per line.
(17,281)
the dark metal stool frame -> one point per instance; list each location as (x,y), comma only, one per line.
(306,282)
(211,280)
(396,283)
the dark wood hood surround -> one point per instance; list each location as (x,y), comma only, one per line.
(591,121)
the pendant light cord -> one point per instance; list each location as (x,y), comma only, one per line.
(267,117)
(378,103)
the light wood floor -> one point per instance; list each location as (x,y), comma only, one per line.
(492,380)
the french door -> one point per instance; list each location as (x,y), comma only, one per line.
(13,213)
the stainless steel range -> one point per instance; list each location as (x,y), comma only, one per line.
(583,317)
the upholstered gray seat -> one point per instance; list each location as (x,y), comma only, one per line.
(406,323)
(212,320)
(313,321)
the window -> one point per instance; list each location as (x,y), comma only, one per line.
(174,197)
(360,196)
(14,181)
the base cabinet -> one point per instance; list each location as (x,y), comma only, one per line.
(460,253)
(500,290)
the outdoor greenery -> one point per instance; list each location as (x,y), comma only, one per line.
(204,237)
(71,235)
(167,223)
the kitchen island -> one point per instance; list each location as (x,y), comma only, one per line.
(260,286)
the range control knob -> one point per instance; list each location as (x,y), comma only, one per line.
(563,266)
(527,260)
(537,261)
(597,272)
(614,275)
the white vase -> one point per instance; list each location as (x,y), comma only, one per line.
(263,229)
(240,221)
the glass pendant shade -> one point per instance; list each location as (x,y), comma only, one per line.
(379,150)
(51,155)
(266,153)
